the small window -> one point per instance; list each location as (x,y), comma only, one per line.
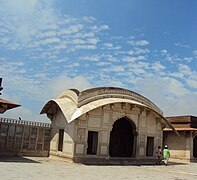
(61,138)
(150,146)
(92,142)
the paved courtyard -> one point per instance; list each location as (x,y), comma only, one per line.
(30,168)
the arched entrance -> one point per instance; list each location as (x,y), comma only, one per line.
(122,138)
(195,147)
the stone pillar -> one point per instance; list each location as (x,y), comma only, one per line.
(137,146)
(188,137)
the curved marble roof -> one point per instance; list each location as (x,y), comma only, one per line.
(74,103)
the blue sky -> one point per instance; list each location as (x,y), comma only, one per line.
(49,46)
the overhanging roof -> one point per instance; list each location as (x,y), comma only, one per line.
(6,105)
(73,104)
(181,129)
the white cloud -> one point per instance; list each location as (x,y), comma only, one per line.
(48,44)
(25,114)
(171,58)
(35,24)
(182,45)
(62,83)
(139,69)
(110,46)
(192,83)
(157,66)
(104,27)
(92,40)
(77,41)
(103,63)
(195,52)
(183,106)
(137,51)
(113,68)
(95,57)
(71,29)
(185,69)
(188,59)
(176,88)
(47,34)
(49,41)
(79,47)
(84,35)
(186,74)
(59,47)
(132,59)
(100,28)
(54,87)
(109,57)
(139,43)
(24,19)
(169,94)
(164,51)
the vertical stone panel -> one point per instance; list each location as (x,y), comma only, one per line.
(106,117)
(80,148)
(24,138)
(104,137)
(81,135)
(94,122)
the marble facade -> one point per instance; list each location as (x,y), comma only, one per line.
(88,119)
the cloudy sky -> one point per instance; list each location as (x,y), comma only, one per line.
(48,46)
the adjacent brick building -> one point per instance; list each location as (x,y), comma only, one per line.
(183,146)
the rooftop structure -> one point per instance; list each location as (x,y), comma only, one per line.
(4,104)
(104,125)
(183,146)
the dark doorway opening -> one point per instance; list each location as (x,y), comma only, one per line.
(195,147)
(61,138)
(150,146)
(92,142)
(122,139)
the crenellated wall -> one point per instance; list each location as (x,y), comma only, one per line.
(28,138)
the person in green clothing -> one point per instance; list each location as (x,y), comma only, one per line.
(166,155)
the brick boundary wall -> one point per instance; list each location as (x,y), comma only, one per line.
(18,137)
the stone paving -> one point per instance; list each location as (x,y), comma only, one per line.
(30,168)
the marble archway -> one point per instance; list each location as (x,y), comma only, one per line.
(122,138)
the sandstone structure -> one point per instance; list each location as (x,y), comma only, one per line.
(4,104)
(104,125)
(183,146)
(24,138)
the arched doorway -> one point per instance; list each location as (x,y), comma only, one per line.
(195,147)
(122,138)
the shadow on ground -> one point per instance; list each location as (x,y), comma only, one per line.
(16,159)
(169,164)
(177,163)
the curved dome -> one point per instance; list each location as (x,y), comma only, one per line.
(93,94)
(70,93)
(73,103)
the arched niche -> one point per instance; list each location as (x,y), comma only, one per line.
(122,138)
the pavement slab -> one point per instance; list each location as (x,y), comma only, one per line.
(31,168)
